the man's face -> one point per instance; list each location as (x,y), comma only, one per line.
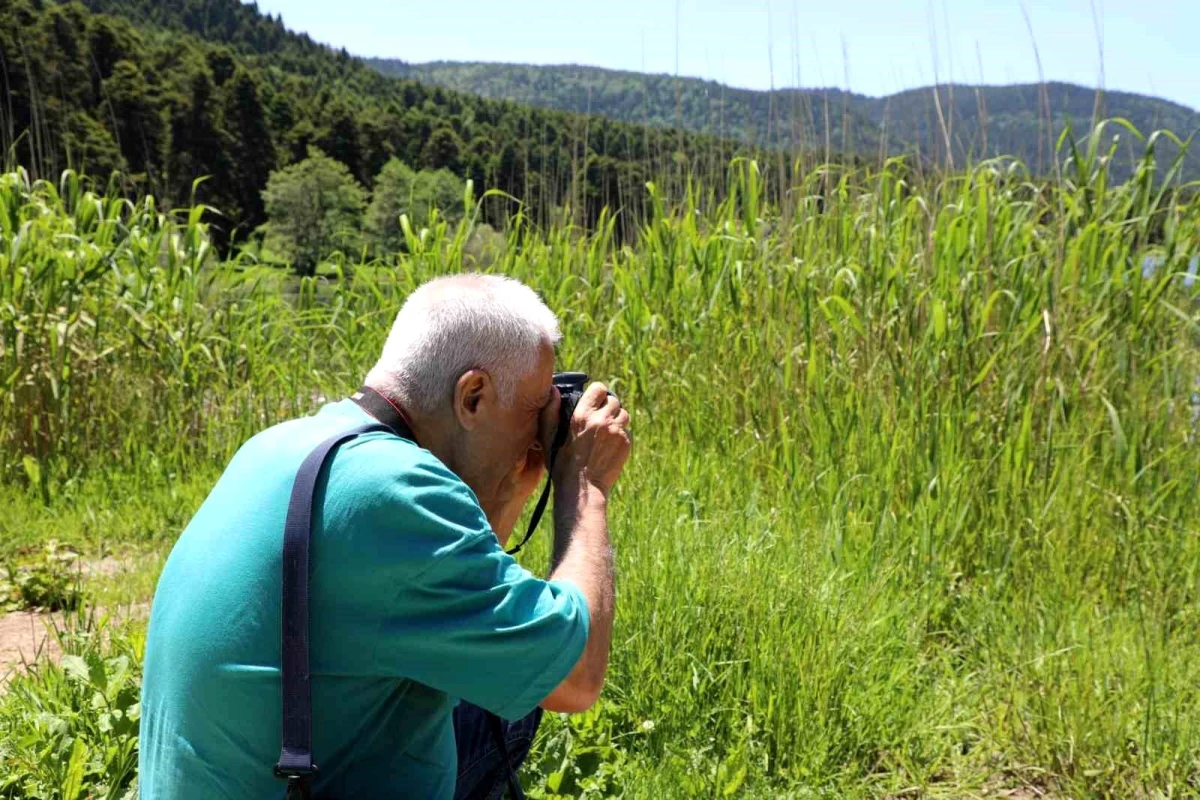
(496,436)
(517,426)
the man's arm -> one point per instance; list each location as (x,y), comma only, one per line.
(583,556)
(590,465)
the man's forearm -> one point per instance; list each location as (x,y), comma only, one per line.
(583,555)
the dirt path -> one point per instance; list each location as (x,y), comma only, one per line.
(27,637)
(24,637)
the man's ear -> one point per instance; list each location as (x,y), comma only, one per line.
(474,395)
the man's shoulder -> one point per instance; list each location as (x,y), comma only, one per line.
(377,489)
(377,466)
(379,481)
(373,457)
(382,464)
(393,485)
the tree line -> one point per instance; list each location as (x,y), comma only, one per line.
(145,88)
(315,207)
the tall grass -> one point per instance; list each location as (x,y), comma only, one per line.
(913,502)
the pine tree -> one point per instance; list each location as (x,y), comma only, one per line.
(443,150)
(199,145)
(253,148)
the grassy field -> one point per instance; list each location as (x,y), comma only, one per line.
(912,509)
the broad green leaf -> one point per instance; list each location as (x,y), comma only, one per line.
(73,782)
(32,470)
(76,668)
(735,782)
(985,370)
(847,312)
(1117,430)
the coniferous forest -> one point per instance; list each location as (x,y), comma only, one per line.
(166,92)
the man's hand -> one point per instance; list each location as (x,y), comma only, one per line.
(514,492)
(598,443)
(523,480)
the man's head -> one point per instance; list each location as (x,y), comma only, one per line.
(470,358)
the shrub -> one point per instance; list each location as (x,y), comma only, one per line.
(45,584)
(70,727)
(400,190)
(313,208)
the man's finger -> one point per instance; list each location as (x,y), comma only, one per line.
(612,405)
(594,398)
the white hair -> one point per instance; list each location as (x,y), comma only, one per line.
(458,323)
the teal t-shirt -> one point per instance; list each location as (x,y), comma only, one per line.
(414,605)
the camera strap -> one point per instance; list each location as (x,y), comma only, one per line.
(295,758)
(384,410)
(560,437)
(538,510)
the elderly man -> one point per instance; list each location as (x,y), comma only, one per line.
(421,626)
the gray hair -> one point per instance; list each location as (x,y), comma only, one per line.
(454,324)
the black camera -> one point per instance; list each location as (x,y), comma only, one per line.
(570,385)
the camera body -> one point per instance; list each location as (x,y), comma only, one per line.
(571,386)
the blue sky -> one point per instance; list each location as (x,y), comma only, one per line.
(872,46)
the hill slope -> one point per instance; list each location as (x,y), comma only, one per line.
(170,91)
(980,121)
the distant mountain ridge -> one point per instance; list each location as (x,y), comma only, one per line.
(979,121)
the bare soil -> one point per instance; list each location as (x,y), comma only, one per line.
(24,638)
(27,638)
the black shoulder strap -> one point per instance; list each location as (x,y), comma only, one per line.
(295,759)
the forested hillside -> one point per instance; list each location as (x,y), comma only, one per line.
(167,92)
(985,120)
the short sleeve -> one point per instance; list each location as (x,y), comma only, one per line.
(467,619)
